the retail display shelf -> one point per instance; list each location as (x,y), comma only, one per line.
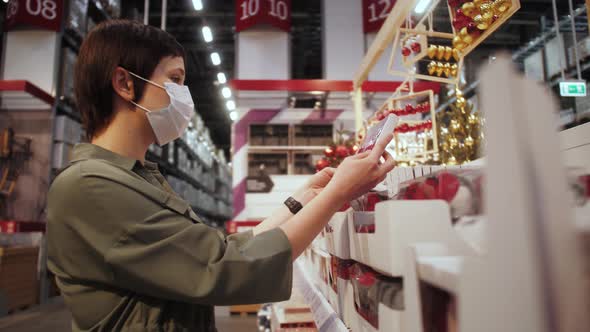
(169,169)
(181,143)
(397,225)
(337,239)
(72,39)
(23,95)
(442,272)
(67,110)
(324,315)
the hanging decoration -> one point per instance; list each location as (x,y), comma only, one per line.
(343,146)
(460,132)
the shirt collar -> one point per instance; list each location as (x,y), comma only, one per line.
(85,151)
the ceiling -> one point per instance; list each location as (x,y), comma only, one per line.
(306,45)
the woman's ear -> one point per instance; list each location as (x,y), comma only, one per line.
(123,84)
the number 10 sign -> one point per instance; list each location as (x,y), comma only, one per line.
(276,13)
(44,14)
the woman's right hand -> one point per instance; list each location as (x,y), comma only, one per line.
(360,173)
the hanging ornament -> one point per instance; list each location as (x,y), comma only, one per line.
(432,49)
(440,52)
(439,69)
(416,47)
(456,54)
(468,9)
(448,53)
(329,152)
(501,6)
(431,68)
(341,151)
(454,69)
(447,69)
(481,22)
(321,164)
(406,51)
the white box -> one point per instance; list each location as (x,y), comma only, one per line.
(337,239)
(399,224)
(389,321)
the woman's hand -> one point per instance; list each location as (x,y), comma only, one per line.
(314,185)
(360,173)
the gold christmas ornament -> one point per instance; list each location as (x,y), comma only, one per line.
(501,6)
(448,53)
(440,52)
(468,39)
(458,43)
(469,141)
(453,142)
(432,49)
(481,23)
(447,69)
(486,8)
(455,125)
(488,16)
(461,102)
(463,33)
(478,3)
(469,9)
(472,120)
(439,69)
(431,68)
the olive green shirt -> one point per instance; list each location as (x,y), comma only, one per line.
(130,255)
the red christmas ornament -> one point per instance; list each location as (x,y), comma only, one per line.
(471,27)
(329,152)
(448,185)
(409,109)
(406,51)
(321,164)
(416,47)
(353,149)
(341,151)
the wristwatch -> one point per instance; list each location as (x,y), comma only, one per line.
(293,205)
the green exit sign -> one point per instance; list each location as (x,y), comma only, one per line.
(572,89)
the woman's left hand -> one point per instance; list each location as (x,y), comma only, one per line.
(314,185)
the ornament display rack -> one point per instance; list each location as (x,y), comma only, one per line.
(395,101)
(166,157)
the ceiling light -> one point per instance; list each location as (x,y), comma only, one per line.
(215,58)
(233,115)
(226,92)
(207,34)
(221,78)
(198,4)
(231,105)
(421,6)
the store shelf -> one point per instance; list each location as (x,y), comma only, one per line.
(23,95)
(442,272)
(169,169)
(72,39)
(96,10)
(67,110)
(324,315)
(182,144)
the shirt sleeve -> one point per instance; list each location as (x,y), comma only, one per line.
(163,254)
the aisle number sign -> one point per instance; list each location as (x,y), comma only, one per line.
(374,14)
(43,14)
(573,89)
(276,13)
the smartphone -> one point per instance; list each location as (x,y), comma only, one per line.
(378,131)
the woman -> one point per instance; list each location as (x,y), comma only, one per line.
(127,252)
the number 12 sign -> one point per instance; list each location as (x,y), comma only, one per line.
(45,14)
(375,12)
(276,13)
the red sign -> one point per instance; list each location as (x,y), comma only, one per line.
(276,13)
(44,14)
(374,13)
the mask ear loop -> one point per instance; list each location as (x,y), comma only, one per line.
(148,81)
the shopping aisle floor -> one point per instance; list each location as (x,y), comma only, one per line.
(55,317)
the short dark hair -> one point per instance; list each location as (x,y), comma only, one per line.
(129,44)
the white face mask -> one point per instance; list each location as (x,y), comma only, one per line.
(170,122)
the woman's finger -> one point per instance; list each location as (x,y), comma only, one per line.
(388,165)
(360,155)
(379,148)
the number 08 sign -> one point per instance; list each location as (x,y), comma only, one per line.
(275,13)
(44,14)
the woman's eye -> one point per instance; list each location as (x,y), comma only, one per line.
(176,79)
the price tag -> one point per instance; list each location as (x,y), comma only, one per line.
(374,13)
(276,13)
(44,14)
